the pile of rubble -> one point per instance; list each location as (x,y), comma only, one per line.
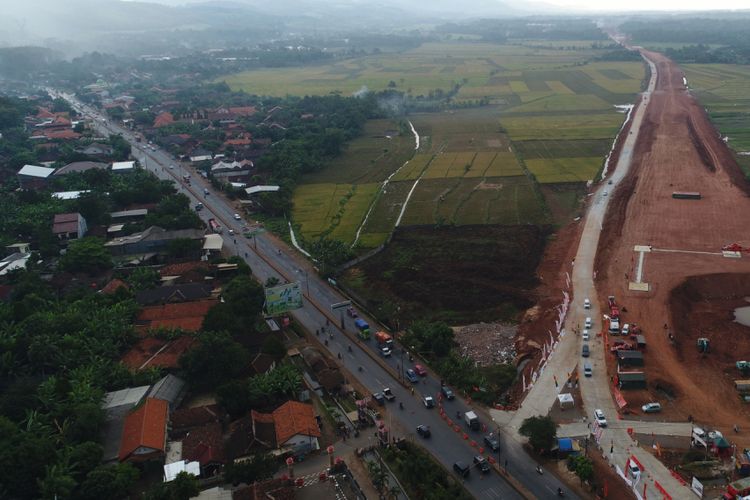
(487,343)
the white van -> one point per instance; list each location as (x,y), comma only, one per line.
(587,371)
(588,323)
(626,329)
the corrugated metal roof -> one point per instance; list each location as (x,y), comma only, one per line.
(261,189)
(36,171)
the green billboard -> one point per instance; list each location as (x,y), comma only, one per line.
(283,298)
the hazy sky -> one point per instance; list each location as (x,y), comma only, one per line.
(654,4)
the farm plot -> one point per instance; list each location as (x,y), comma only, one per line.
(580,126)
(462,130)
(331,209)
(561,103)
(554,170)
(413,169)
(494,200)
(380,151)
(563,149)
(384,214)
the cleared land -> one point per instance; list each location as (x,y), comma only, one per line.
(678,149)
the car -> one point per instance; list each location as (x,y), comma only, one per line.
(587,370)
(231,232)
(428,402)
(610,182)
(413,378)
(378,396)
(585,336)
(635,471)
(626,329)
(237,217)
(199,207)
(586,304)
(461,469)
(588,323)
(419,370)
(600,418)
(585,351)
(389,396)
(351,312)
(605,193)
(481,464)
(385,351)
(447,392)
(653,407)
(171,167)
(424,431)
(492,442)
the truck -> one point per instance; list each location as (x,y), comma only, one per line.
(215,227)
(471,420)
(363,328)
(614,326)
(739,488)
(614,311)
(384,339)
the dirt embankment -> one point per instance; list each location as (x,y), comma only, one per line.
(692,288)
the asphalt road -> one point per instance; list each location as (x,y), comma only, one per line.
(273,259)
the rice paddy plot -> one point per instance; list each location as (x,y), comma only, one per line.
(413,169)
(554,170)
(556,127)
(482,161)
(504,165)
(331,209)
(562,149)
(387,209)
(380,151)
(561,102)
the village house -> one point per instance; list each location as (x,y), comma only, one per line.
(69,226)
(34,176)
(144,435)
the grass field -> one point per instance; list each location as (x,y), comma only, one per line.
(557,170)
(725,90)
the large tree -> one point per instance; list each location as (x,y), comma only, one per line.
(86,255)
(541,432)
(215,361)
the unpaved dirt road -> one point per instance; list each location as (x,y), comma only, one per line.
(678,150)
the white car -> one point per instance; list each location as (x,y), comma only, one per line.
(588,323)
(605,193)
(626,329)
(651,408)
(586,304)
(600,418)
(635,471)
(237,217)
(385,351)
(585,336)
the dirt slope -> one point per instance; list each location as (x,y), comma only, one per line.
(678,150)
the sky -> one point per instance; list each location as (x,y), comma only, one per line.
(665,5)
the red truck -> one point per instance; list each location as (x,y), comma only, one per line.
(384,339)
(215,227)
(614,311)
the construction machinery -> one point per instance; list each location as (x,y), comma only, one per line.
(704,345)
(735,247)
(743,366)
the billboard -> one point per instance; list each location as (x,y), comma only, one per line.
(282,298)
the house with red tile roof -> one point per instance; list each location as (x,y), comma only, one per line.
(152,352)
(144,434)
(205,445)
(186,419)
(187,316)
(296,426)
(114,285)
(163,119)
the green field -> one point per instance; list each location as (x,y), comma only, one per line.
(725,90)
(550,122)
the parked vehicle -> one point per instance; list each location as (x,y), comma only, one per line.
(588,323)
(614,326)
(585,336)
(471,420)
(420,370)
(600,418)
(651,407)
(412,376)
(385,351)
(378,396)
(389,396)
(461,469)
(492,442)
(626,329)
(585,351)
(482,464)
(586,304)
(587,371)
(424,431)
(447,392)
(215,227)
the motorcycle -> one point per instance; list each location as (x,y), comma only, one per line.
(560,492)
(359,368)
(539,469)
(349,348)
(401,406)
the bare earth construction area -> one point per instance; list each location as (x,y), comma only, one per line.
(679,150)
